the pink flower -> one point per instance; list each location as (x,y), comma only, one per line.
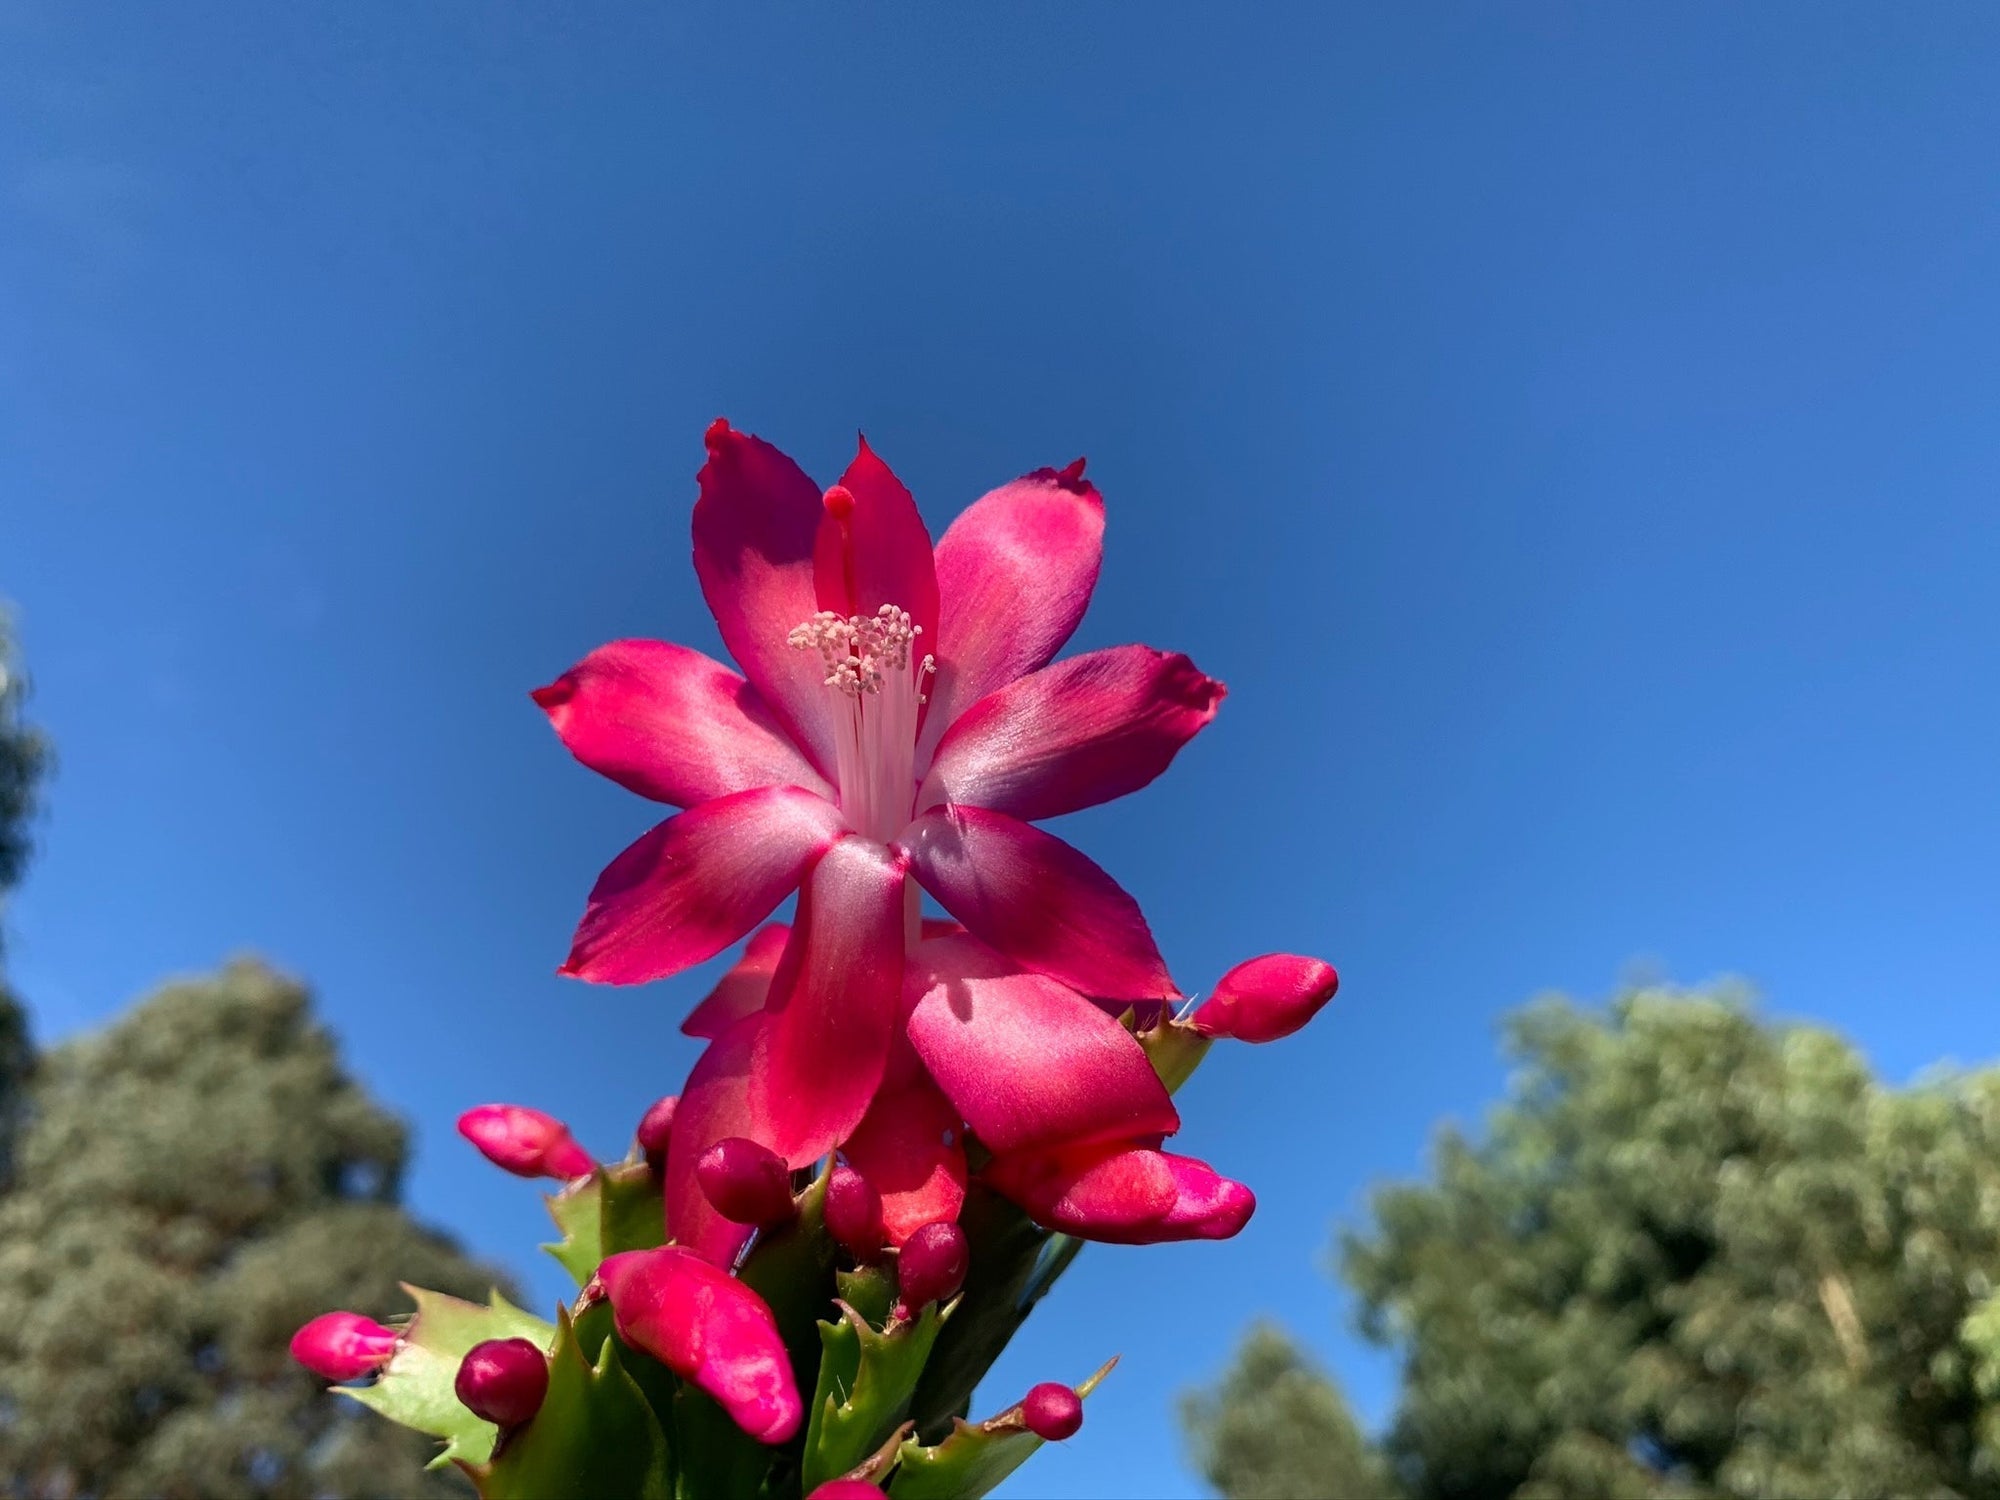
(524,1141)
(898,725)
(707,1327)
(1263,999)
(343,1346)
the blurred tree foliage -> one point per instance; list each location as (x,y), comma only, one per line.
(188,1186)
(1696,1254)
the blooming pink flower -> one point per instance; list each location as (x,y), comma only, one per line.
(1263,999)
(343,1345)
(524,1141)
(898,725)
(707,1327)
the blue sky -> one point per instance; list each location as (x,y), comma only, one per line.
(1569,431)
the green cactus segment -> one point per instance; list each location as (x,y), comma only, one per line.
(595,1435)
(973,1458)
(416,1387)
(870,1291)
(1175,1050)
(1013,1265)
(614,1208)
(866,1380)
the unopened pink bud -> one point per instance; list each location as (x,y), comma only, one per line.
(1053,1412)
(932,1265)
(343,1345)
(846,1489)
(656,1128)
(1123,1195)
(524,1141)
(854,1213)
(707,1327)
(746,1182)
(503,1381)
(1262,999)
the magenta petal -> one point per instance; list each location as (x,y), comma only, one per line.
(1038,901)
(670,724)
(911,1150)
(1123,1195)
(1028,1062)
(753,551)
(343,1345)
(697,883)
(834,1002)
(742,991)
(707,1327)
(1015,572)
(1073,734)
(1112,1193)
(714,1106)
(878,552)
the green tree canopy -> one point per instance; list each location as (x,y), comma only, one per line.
(194,1183)
(1695,1254)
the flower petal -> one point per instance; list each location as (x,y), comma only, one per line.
(834,1002)
(753,551)
(742,991)
(1124,1195)
(1038,901)
(1073,734)
(715,1105)
(1026,1061)
(910,1148)
(708,1328)
(878,552)
(671,724)
(1015,572)
(697,883)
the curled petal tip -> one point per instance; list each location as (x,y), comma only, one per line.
(343,1346)
(719,432)
(1070,475)
(554,695)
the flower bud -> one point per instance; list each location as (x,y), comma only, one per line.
(846,1489)
(1262,999)
(747,1183)
(707,1327)
(854,1213)
(503,1381)
(1053,1412)
(931,1265)
(1123,1195)
(656,1128)
(524,1141)
(343,1345)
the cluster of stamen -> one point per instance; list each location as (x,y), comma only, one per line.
(871,663)
(862,653)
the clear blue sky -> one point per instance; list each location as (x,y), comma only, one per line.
(1571,432)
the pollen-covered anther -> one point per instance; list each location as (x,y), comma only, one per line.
(870,661)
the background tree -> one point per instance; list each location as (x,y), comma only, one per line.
(1275,1428)
(1695,1254)
(188,1186)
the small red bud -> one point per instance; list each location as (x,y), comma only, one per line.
(854,1213)
(1053,1412)
(503,1381)
(343,1345)
(846,1489)
(932,1265)
(524,1141)
(656,1128)
(747,1183)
